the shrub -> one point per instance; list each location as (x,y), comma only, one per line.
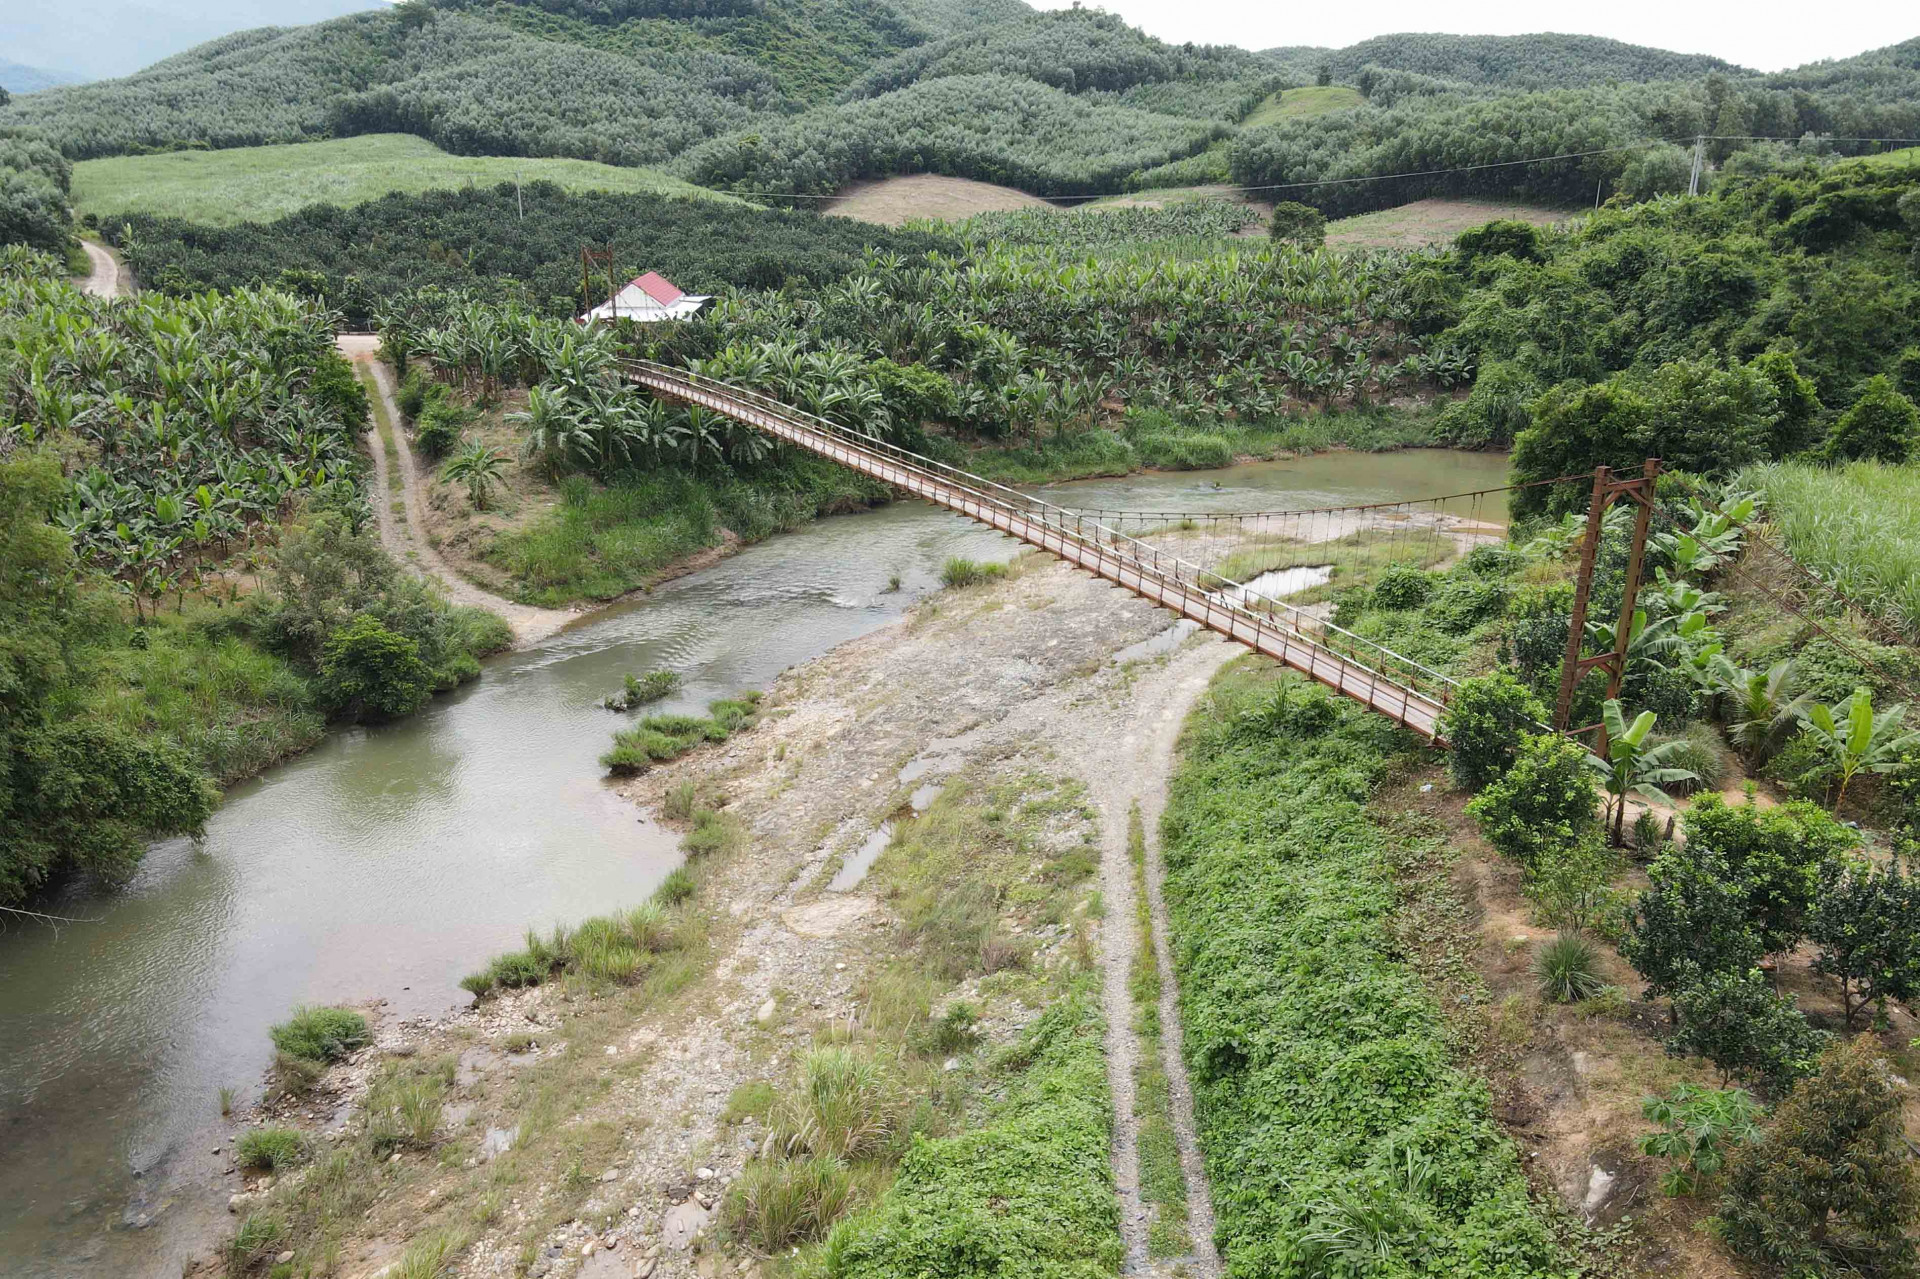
(370,672)
(1402,586)
(776,1205)
(1572,885)
(1691,922)
(1701,753)
(1568,969)
(1737,1022)
(1544,802)
(960,571)
(437,429)
(416,391)
(1832,1190)
(1513,238)
(320,1034)
(270,1149)
(1298,224)
(1866,922)
(842,1106)
(1700,1128)
(1780,853)
(1881,425)
(1487,720)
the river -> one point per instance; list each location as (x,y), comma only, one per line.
(388,862)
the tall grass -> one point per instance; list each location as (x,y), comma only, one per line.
(320,1034)
(619,948)
(659,738)
(1857,526)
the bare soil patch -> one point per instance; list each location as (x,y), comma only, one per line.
(894,201)
(1427,222)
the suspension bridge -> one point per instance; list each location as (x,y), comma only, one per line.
(1387,682)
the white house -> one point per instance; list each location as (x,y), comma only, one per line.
(648,298)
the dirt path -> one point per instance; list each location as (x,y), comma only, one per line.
(107,278)
(408,542)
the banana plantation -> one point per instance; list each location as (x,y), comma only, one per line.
(201,418)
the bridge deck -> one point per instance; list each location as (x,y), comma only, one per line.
(1102,554)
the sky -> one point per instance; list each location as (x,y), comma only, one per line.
(1767,35)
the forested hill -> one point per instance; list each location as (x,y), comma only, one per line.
(1542,60)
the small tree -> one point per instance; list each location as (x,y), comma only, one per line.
(1779,852)
(1700,1128)
(1487,720)
(1866,921)
(1634,766)
(479,468)
(1737,1022)
(1881,425)
(1692,921)
(1832,1189)
(1544,802)
(1855,740)
(1572,885)
(1298,224)
(367,671)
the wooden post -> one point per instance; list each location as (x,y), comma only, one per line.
(1583,587)
(1635,559)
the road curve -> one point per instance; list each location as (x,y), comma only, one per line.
(105,281)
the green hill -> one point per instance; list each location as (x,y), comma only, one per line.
(259,184)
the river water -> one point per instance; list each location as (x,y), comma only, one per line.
(389,862)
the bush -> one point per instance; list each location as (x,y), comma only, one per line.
(270,1149)
(1780,852)
(1568,969)
(1401,586)
(1832,1190)
(780,1204)
(1701,1127)
(370,672)
(1881,425)
(842,1106)
(417,390)
(1701,753)
(1737,1022)
(1298,224)
(1866,922)
(1690,923)
(1487,720)
(960,571)
(1504,236)
(437,430)
(1573,886)
(1545,802)
(320,1034)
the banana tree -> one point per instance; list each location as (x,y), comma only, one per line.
(1856,740)
(1763,711)
(1633,766)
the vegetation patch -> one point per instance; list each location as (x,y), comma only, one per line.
(321,1034)
(1163,1182)
(659,738)
(619,949)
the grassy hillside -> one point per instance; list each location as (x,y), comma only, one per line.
(260,184)
(1291,104)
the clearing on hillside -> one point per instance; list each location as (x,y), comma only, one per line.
(895,201)
(1293,104)
(260,184)
(1425,222)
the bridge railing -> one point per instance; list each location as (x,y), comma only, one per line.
(1202,591)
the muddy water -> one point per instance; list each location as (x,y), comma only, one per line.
(388,862)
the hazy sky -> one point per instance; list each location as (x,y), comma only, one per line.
(1764,34)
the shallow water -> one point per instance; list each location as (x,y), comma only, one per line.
(389,862)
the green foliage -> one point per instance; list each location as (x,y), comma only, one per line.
(842,1106)
(1568,969)
(1881,426)
(677,887)
(1635,764)
(320,1034)
(1866,922)
(368,672)
(1700,1129)
(1855,739)
(1857,526)
(659,738)
(1543,803)
(1027,1190)
(1780,854)
(1571,885)
(640,690)
(1832,1188)
(959,571)
(404,1104)
(619,948)
(478,467)
(777,1205)
(1099,228)
(270,1149)
(1737,1021)
(1300,225)
(438,424)
(1407,586)
(1318,1059)
(1693,921)
(1488,720)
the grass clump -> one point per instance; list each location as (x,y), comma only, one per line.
(659,738)
(959,571)
(619,948)
(270,1149)
(844,1105)
(404,1105)
(1568,969)
(712,832)
(775,1205)
(320,1034)
(677,887)
(258,1237)
(641,690)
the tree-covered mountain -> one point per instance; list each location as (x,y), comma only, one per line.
(90,39)
(1542,60)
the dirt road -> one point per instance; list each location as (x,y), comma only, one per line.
(406,540)
(107,278)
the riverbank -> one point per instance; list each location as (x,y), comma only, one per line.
(579,1114)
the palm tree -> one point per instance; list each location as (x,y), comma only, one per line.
(1632,767)
(1763,711)
(479,466)
(1858,741)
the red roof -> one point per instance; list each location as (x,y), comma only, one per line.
(658,287)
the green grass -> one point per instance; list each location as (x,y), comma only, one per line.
(270,1149)
(1163,1183)
(1857,526)
(960,571)
(1320,1061)
(320,1034)
(1294,104)
(604,541)
(260,184)
(659,738)
(1355,559)
(620,948)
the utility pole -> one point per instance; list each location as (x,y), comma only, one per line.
(1606,491)
(522,204)
(1699,154)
